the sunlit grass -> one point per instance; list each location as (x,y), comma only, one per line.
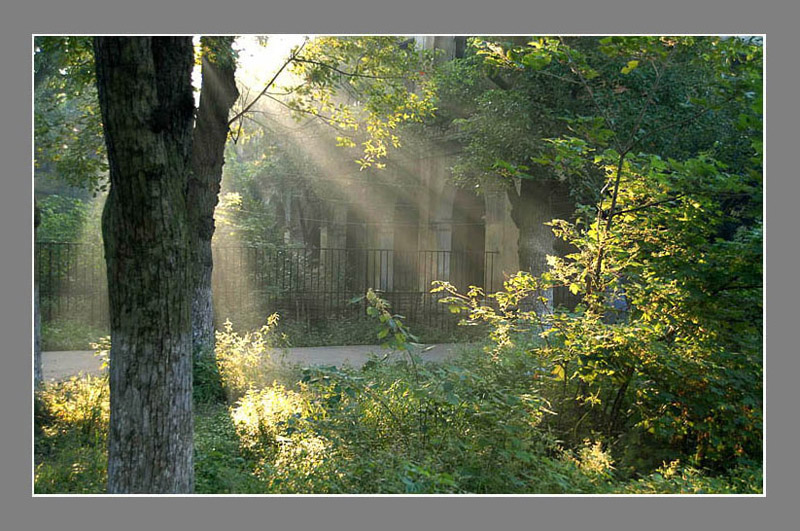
(358,431)
(71,427)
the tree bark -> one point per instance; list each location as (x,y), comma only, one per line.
(38,377)
(535,204)
(218,93)
(145,92)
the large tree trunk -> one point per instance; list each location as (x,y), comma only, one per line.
(217,95)
(37,315)
(145,92)
(538,202)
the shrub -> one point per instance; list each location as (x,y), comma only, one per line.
(406,427)
(363,330)
(219,465)
(674,478)
(677,393)
(72,470)
(71,428)
(63,218)
(247,361)
(207,385)
(75,407)
(277,429)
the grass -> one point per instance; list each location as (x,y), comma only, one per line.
(65,334)
(70,428)
(475,425)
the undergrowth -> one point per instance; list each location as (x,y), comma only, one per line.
(484,422)
(362,331)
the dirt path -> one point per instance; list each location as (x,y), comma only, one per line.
(61,365)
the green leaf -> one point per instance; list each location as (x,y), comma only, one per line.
(631,66)
(536,61)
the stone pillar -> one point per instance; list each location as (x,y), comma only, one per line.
(502,237)
(436,217)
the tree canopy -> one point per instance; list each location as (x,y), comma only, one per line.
(656,142)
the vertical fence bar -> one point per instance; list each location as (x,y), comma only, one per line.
(279,279)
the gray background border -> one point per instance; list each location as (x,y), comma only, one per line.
(18,510)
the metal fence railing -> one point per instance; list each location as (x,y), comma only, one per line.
(252,282)
(315,284)
(72,282)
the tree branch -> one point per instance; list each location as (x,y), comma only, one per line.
(292,58)
(648,205)
(342,72)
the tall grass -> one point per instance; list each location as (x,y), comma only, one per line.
(478,424)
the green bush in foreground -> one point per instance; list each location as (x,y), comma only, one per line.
(362,431)
(70,427)
(363,331)
(484,423)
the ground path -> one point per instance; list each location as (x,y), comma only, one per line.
(63,364)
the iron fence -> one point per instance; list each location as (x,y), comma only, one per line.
(316,284)
(72,282)
(252,282)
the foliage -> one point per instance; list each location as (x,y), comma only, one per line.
(68,135)
(247,360)
(356,432)
(71,427)
(673,478)
(65,219)
(329,430)
(667,262)
(543,97)
(207,385)
(264,175)
(405,427)
(219,465)
(367,87)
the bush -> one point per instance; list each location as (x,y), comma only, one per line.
(219,466)
(673,478)
(207,385)
(363,331)
(247,361)
(276,430)
(655,391)
(71,429)
(405,427)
